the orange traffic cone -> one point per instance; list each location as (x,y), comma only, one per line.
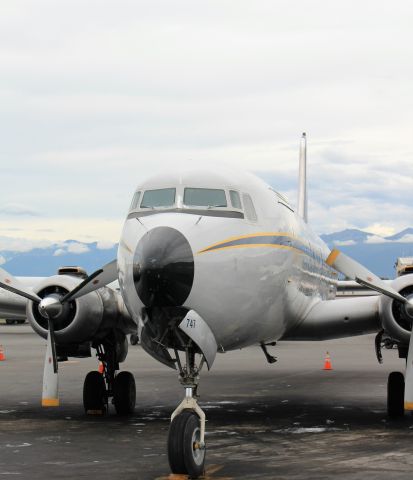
(327,362)
(2,356)
(101,368)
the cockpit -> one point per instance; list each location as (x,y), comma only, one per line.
(187,199)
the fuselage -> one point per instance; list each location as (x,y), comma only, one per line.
(256,268)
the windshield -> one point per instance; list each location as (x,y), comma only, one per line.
(164,197)
(135,201)
(205,197)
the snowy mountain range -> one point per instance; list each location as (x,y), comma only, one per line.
(28,258)
(45,259)
(377,253)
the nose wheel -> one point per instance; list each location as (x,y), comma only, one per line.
(186,438)
(186,453)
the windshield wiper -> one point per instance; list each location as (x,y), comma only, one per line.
(214,206)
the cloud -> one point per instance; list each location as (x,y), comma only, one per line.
(14,244)
(17,210)
(2,260)
(344,243)
(77,248)
(240,92)
(376,239)
(104,245)
(71,247)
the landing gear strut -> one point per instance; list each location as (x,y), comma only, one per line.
(186,438)
(395,395)
(98,387)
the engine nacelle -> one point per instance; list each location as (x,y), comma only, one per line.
(86,318)
(395,319)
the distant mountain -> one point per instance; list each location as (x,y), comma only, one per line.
(377,253)
(46,261)
(400,235)
(349,235)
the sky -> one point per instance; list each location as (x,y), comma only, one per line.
(97,95)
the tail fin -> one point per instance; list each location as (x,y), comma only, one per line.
(302,180)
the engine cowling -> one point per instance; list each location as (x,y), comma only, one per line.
(394,317)
(83,319)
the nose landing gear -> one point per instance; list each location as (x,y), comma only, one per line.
(186,438)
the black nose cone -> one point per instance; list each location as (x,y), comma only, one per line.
(163,269)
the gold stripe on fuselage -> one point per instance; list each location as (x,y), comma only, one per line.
(249,245)
(223,243)
(249,235)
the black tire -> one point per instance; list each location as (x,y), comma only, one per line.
(10,322)
(184,432)
(20,322)
(124,393)
(94,394)
(134,339)
(395,395)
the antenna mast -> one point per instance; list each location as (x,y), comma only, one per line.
(302,180)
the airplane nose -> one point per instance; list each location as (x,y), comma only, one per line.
(163,268)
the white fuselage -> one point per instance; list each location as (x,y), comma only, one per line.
(254,278)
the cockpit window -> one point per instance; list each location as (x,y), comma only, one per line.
(164,197)
(135,201)
(205,197)
(249,208)
(235,199)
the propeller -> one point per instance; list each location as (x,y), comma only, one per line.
(51,307)
(352,269)
(355,271)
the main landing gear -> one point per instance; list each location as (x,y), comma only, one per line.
(98,387)
(395,395)
(395,381)
(186,438)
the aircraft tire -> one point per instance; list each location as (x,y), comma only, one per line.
(134,339)
(124,393)
(94,394)
(395,395)
(184,433)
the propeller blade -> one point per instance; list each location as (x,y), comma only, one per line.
(408,386)
(354,270)
(50,396)
(53,344)
(10,283)
(98,279)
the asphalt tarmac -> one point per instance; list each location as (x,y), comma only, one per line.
(287,420)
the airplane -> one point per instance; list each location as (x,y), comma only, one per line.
(210,262)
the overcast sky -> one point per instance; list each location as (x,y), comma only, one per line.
(96,95)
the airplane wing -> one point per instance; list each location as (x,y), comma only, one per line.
(364,304)
(12,305)
(344,317)
(350,288)
(389,312)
